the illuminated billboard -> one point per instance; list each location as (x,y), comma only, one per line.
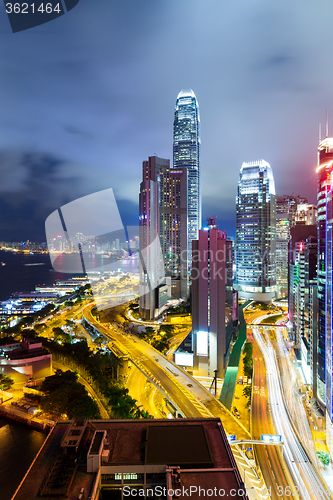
(271,438)
(183,359)
(202,343)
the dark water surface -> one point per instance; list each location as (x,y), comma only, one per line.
(17,276)
(19,445)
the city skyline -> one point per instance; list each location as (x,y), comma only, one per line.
(79,111)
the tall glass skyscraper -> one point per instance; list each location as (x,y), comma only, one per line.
(255,232)
(186,153)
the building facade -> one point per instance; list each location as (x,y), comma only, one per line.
(163,226)
(306,214)
(24,360)
(151,261)
(212,300)
(186,154)
(256,232)
(324,174)
(328,311)
(303,276)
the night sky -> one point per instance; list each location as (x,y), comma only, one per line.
(86,98)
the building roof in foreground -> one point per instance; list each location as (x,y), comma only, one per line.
(136,454)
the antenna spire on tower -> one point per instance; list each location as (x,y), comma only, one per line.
(326,123)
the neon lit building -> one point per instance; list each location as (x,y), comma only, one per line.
(186,154)
(324,172)
(303,276)
(256,232)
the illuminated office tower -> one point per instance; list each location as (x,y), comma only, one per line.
(212,300)
(288,204)
(329,311)
(286,215)
(324,173)
(290,211)
(256,232)
(302,277)
(324,282)
(186,154)
(171,220)
(283,226)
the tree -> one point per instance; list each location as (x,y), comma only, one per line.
(5,382)
(39,327)
(169,329)
(99,340)
(248,359)
(27,320)
(60,335)
(150,332)
(324,457)
(28,333)
(247,391)
(63,394)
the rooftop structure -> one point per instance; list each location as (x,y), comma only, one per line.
(115,459)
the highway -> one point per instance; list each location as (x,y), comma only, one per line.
(147,358)
(303,472)
(293,397)
(190,397)
(269,458)
(146,394)
(187,393)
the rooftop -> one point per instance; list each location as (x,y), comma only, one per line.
(189,452)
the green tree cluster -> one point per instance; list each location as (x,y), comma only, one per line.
(162,340)
(324,457)
(60,335)
(247,391)
(5,382)
(248,359)
(123,406)
(64,395)
(101,368)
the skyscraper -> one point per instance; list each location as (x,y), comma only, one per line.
(165,209)
(324,172)
(212,299)
(186,153)
(255,232)
(291,210)
(152,284)
(302,276)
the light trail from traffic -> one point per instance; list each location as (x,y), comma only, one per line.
(303,472)
(270,458)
